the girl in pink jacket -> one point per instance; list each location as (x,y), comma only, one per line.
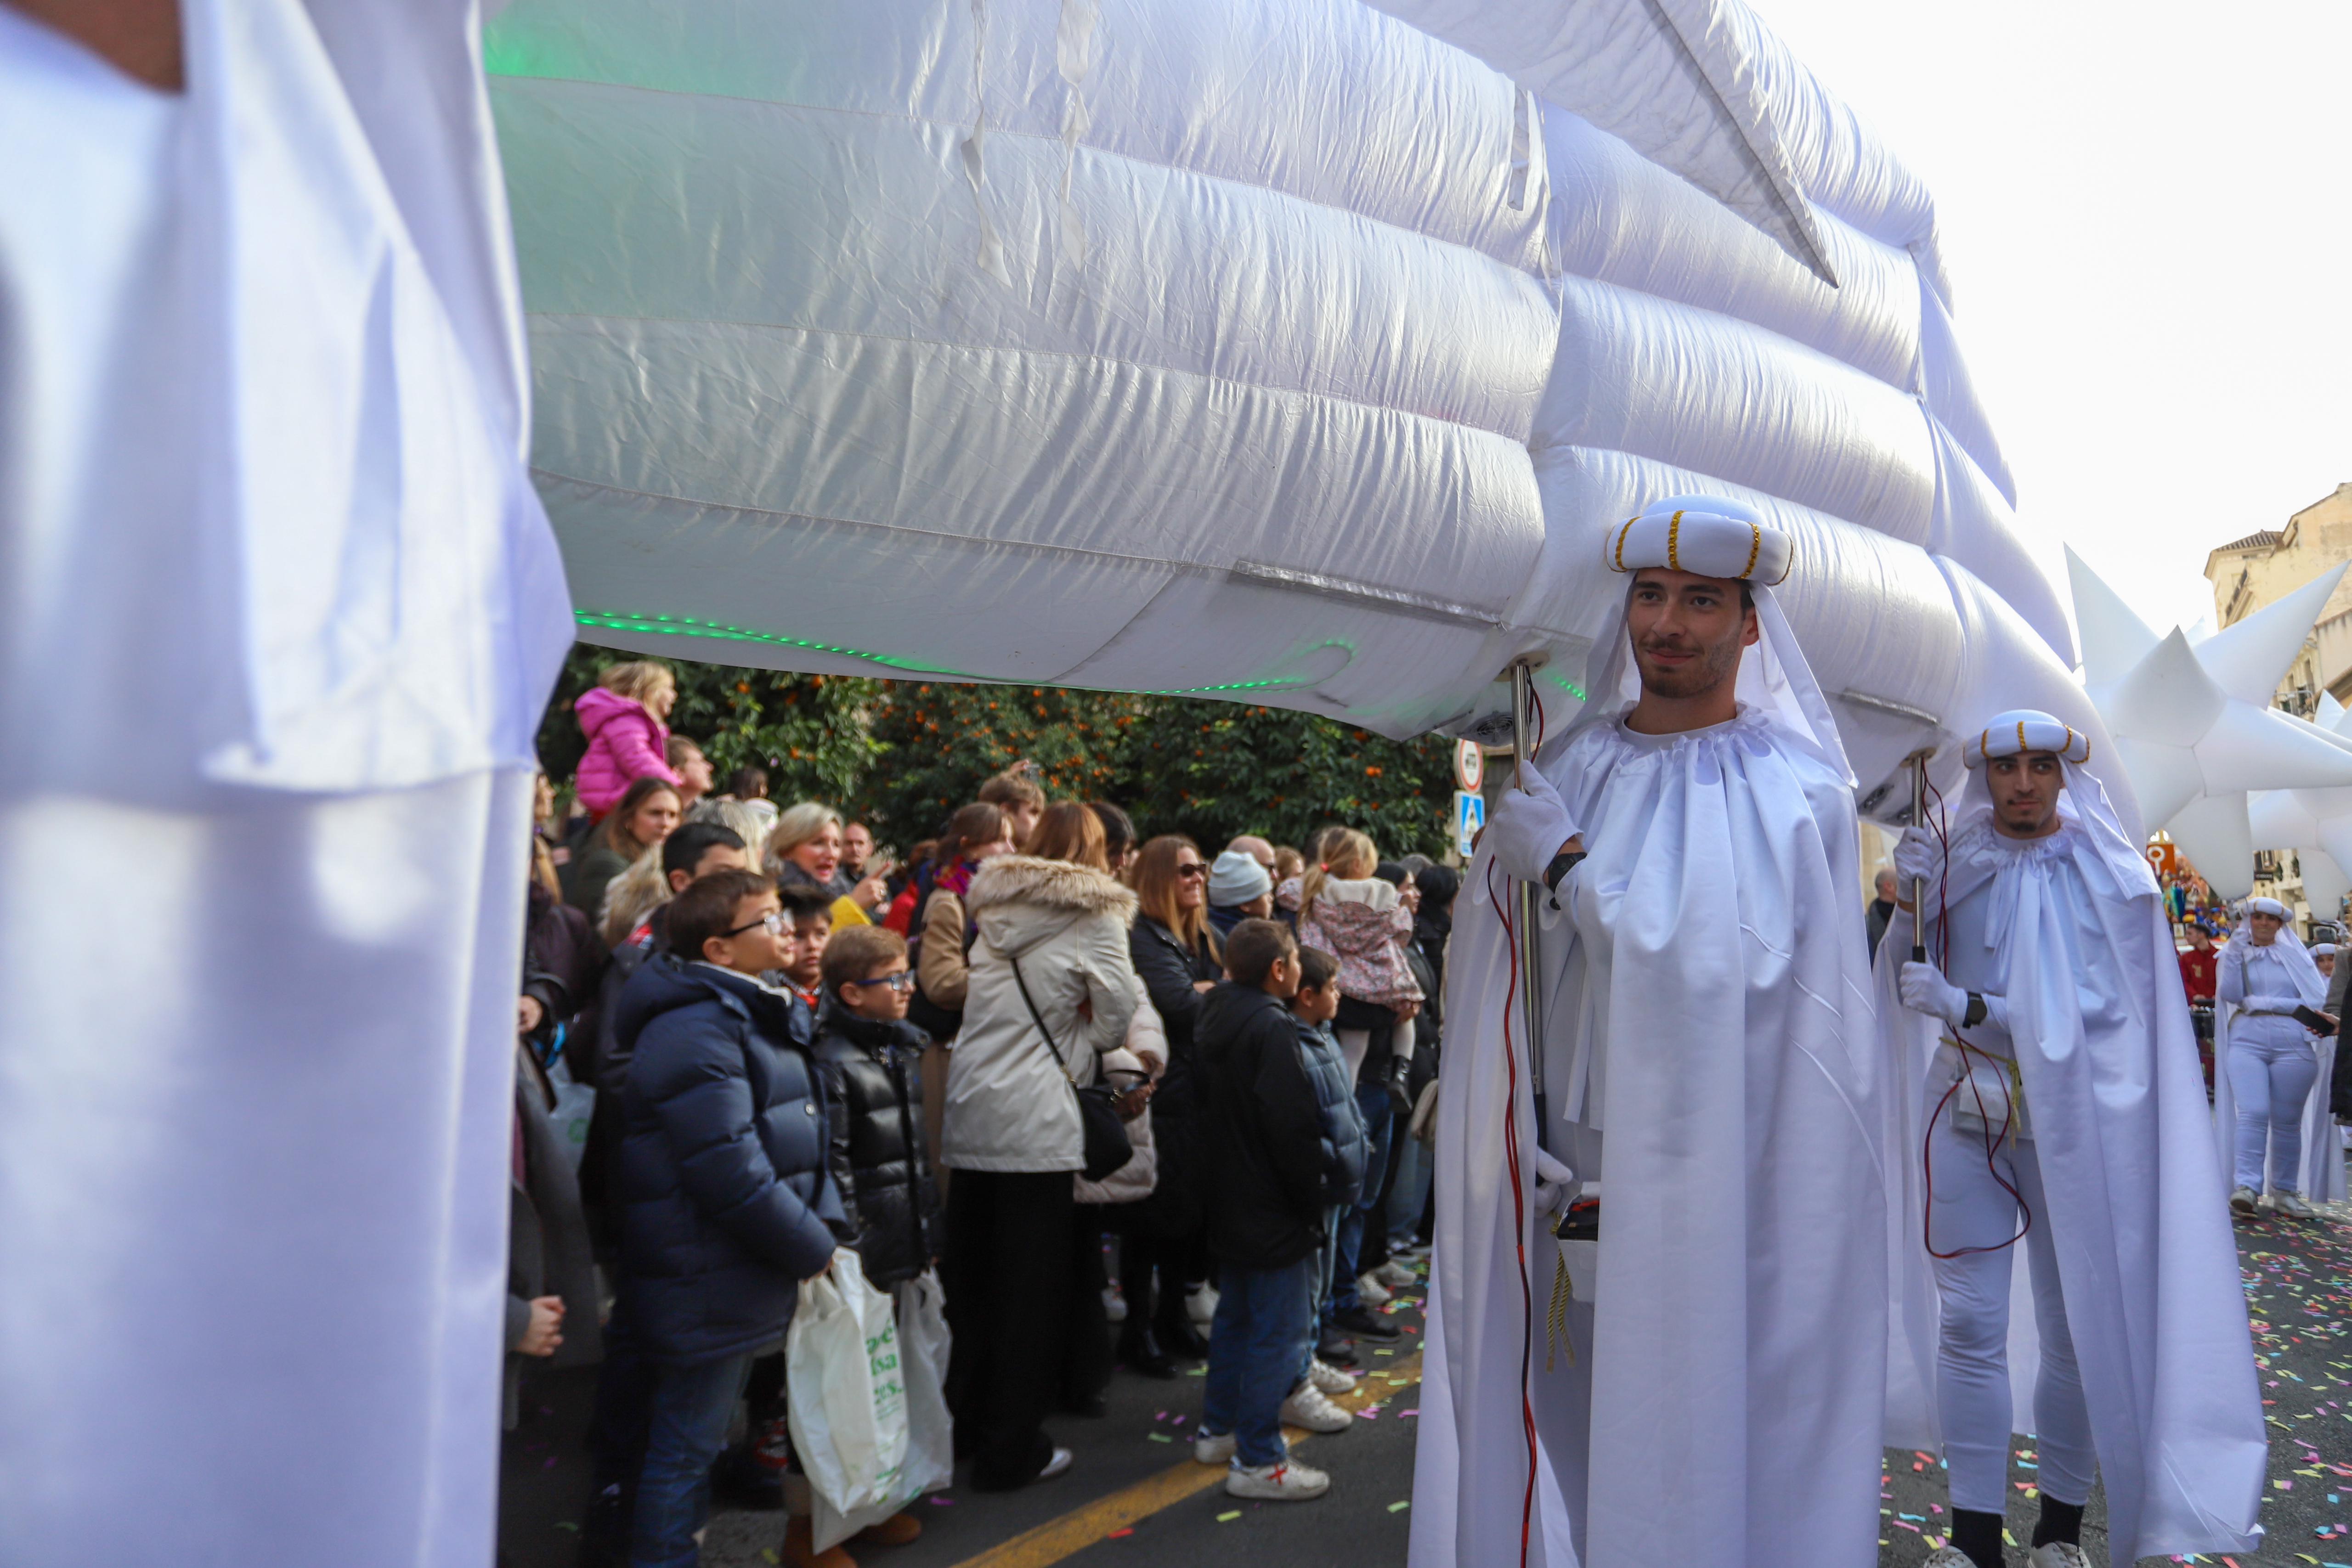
(623,716)
(1350,913)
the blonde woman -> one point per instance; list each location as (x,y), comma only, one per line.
(805,850)
(626,716)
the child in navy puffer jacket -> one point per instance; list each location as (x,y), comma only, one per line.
(1346,1146)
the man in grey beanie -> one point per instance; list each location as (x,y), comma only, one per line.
(1239,889)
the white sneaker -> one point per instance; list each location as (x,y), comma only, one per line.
(1329,1379)
(1288,1482)
(1949,1557)
(1371,1292)
(1200,1305)
(2058,1554)
(1307,1408)
(2292,1205)
(2242,1200)
(1213,1448)
(1114,1305)
(1395,1275)
(1056,1464)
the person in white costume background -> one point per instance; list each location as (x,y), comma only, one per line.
(2270,1127)
(2045,1078)
(1723,1384)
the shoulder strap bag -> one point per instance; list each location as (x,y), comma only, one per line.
(1105,1146)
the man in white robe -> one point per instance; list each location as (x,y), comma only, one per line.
(2048,1074)
(1710,1061)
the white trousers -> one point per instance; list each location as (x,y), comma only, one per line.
(1972,1208)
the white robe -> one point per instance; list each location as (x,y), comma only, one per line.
(1707,1011)
(2148,1266)
(2322,1178)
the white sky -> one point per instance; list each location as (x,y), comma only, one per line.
(2148,220)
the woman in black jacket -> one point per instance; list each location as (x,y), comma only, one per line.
(1176,955)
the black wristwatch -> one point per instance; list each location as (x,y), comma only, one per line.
(1975,1012)
(1561,864)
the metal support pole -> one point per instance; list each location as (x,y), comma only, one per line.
(1529,893)
(1919,884)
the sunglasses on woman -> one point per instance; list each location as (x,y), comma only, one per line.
(1192,868)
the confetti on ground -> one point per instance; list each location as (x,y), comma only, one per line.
(1400,1507)
(1229,1517)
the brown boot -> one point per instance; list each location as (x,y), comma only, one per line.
(896,1530)
(800,1547)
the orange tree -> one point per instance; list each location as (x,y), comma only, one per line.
(904,754)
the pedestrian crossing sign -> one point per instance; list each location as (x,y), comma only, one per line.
(1469,816)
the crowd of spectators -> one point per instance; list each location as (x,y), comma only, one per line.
(753,1042)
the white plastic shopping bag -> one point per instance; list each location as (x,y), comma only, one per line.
(844,1388)
(930,1464)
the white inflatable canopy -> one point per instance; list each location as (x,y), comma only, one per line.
(1299,350)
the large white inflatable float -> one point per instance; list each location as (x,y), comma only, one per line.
(1299,352)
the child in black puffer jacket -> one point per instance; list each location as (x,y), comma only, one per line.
(868,1062)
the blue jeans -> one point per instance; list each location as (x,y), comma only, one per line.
(692,1407)
(1264,1332)
(1409,1190)
(1372,1102)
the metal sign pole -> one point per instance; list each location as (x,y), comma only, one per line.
(1530,990)
(1919,884)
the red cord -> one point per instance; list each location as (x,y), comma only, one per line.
(1992,1142)
(1518,1217)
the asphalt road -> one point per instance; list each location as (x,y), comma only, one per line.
(1135,1498)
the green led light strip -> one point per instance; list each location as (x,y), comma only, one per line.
(1571,688)
(687,626)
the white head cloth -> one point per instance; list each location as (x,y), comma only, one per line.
(2082,801)
(1711,536)
(2308,981)
(2323,949)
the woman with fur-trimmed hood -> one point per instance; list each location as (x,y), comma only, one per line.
(1051,921)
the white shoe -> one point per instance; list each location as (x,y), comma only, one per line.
(1371,1292)
(1213,1448)
(1329,1379)
(2291,1204)
(1395,1275)
(1288,1482)
(1055,1466)
(2242,1200)
(1200,1305)
(1949,1557)
(1307,1408)
(1114,1306)
(2058,1554)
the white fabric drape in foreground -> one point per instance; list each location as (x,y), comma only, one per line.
(278,614)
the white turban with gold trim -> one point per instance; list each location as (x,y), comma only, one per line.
(2024,729)
(1710,536)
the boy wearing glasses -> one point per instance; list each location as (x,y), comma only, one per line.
(722,1188)
(868,1060)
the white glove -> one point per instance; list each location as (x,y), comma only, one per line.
(1555,1184)
(1527,828)
(1924,990)
(1916,854)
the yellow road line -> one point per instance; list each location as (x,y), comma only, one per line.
(1080,1527)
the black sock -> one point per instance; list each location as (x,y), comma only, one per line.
(2059,1521)
(1977,1534)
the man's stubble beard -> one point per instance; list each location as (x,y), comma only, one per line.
(1718,663)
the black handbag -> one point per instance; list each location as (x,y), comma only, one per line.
(1105,1146)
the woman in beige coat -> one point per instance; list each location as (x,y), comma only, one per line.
(1053,924)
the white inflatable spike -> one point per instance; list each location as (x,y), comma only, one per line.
(2164,778)
(2331,712)
(2114,639)
(2166,699)
(2251,658)
(2324,883)
(2282,820)
(2250,747)
(2214,835)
